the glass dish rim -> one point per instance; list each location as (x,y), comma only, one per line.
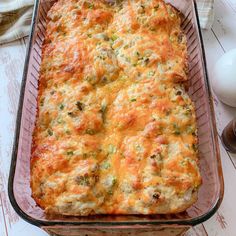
(191,222)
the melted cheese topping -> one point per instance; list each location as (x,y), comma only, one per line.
(116,130)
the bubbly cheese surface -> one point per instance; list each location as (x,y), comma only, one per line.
(115,130)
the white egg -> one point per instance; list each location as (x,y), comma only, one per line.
(224,78)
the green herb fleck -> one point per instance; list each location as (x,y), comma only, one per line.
(114,37)
(188,111)
(67,131)
(50,132)
(183,163)
(41,102)
(177,132)
(83,180)
(90,154)
(106,165)
(176,129)
(133,99)
(103,110)
(128,59)
(60,121)
(91,6)
(172,39)
(156,7)
(114,181)
(138,148)
(191,130)
(88,4)
(61,106)
(103,107)
(91,79)
(151,73)
(90,131)
(180,38)
(70,153)
(111,149)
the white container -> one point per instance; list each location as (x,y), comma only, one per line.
(224,78)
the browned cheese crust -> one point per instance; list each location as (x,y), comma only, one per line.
(115,130)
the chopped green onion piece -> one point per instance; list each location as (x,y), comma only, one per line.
(114,37)
(90,131)
(70,153)
(151,73)
(106,165)
(82,180)
(176,129)
(111,149)
(133,99)
(50,132)
(61,106)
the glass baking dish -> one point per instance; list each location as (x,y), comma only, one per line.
(211,192)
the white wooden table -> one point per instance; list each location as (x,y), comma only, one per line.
(219,39)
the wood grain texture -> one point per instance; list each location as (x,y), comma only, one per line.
(232,4)
(223,222)
(220,39)
(11,67)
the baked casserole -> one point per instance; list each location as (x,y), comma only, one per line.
(116,130)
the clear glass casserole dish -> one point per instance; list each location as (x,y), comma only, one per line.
(211,192)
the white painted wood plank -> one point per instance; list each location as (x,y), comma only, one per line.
(216,43)
(11,67)
(3,228)
(198,230)
(232,4)
(214,51)
(223,222)
(225,24)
